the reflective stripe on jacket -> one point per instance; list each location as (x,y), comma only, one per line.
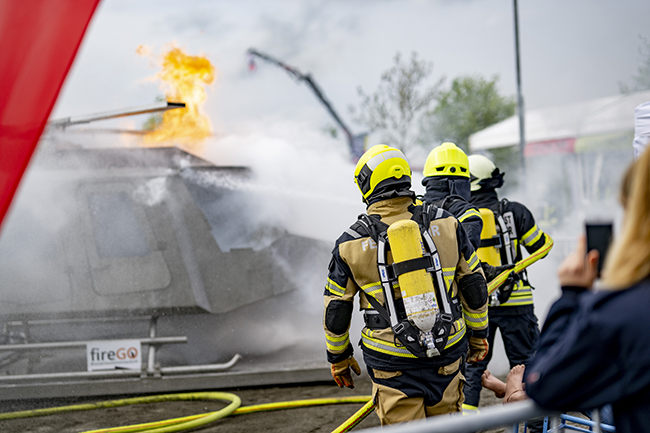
(353,269)
(523,231)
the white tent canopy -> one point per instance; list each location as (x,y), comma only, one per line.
(641,128)
(589,118)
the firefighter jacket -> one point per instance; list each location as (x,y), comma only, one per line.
(353,270)
(452,193)
(595,349)
(522,231)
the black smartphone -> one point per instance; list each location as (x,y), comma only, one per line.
(599,237)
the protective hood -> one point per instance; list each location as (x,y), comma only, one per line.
(391,188)
(484,198)
(440,187)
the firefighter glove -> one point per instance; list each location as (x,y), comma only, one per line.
(507,287)
(491,272)
(341,372)
(478,349)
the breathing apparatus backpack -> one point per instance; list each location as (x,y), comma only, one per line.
(425,327)
(444,203)
(496,249)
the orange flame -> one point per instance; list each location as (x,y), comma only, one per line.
(184,78)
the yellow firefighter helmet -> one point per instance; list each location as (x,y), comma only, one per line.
(381,163)
(446,160)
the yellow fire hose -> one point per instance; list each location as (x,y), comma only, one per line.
(193,421)
(358,416)
(521,265)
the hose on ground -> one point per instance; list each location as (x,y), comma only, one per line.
(355,419)
(193,421)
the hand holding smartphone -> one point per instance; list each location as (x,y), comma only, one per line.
(599,237)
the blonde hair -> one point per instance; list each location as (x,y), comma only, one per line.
(629,259)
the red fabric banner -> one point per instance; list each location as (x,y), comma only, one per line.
(38,42)
(563,145)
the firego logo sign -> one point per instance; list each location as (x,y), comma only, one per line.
(113,354)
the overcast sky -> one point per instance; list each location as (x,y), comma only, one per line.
(571,50)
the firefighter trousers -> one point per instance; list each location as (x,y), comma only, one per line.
(408,395)
(520,335)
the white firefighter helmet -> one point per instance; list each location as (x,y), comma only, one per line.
(480,168)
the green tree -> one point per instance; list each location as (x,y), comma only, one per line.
(401,99)
(471,104)
(640,81)
(154,121)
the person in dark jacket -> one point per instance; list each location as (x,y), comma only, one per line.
(406,385)
(510,312)
(446,179)
(595,347)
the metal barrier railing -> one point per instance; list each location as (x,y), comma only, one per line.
(151,369)
(592,425)
(511,414)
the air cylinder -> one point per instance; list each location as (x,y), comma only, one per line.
(491,254)
(418,292)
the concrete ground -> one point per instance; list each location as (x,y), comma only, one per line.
(319,419)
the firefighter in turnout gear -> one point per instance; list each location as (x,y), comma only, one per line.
(507,226)
(447,183)
(446,179)
(421,290)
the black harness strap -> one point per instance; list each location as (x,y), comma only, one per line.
(491,242)
(424,262)
(406,333)
(447,202)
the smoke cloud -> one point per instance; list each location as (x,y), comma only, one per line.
(292,181)
(562,191)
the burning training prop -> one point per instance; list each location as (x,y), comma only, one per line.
(183,79)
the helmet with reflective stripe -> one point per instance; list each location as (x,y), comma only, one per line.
(383,165)
(446,160)
(482,171)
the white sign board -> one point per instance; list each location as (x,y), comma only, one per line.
(113,354)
